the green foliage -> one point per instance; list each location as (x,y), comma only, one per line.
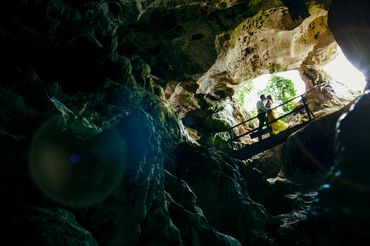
(239,97)
(281,89)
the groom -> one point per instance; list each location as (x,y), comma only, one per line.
(262,109)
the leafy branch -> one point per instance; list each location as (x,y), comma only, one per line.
(281,89)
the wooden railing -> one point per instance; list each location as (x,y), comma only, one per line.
(267,124)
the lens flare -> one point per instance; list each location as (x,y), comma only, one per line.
(74,158)
(74,171)
(338,174)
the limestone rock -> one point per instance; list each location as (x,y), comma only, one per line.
(188,216)
(97,65)
(268,162)
(42,226)
(323,93)
(215,181)
(341,209)
(269,42)
(306,149)
(133,206)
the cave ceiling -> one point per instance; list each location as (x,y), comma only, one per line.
(211,45)
(218,44)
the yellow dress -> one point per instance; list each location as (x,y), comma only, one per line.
(278,125)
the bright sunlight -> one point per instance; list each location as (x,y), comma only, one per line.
(344,72)
(260,83)
(340,69)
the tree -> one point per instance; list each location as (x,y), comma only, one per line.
(281,89)
(239,97)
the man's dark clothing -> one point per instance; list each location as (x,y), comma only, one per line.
(262,120)
(261,109)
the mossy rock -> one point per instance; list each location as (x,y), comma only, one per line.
(217,141)
(207,102)
(216,123)
(158,90)
(188,100)
(141,71)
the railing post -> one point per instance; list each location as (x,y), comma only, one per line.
(231,142)
(308,111)
(266,123)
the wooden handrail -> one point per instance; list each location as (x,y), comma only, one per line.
(304,106)
(250,119)
(267,123)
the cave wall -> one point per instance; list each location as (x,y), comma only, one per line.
(102,179)
(92,70)
(269,42)
(273,39)
(63,73)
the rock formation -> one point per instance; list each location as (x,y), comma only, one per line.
(99,101)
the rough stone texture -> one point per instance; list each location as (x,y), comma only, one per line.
(268,42)
(78,51)
(178,37)
(324,94)
(127,215)
(210,117)
(225,116)
(137,210)
(93,64)
(306,149)
(188,216)
(222,193)
(341,213)
(65,62)
(182,100)
(229,41)
(268,162)
(42,226)
(246,202)
(351,32)
(132,207)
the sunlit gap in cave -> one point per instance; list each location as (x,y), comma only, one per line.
(341,70)
(260,83)
(346,77)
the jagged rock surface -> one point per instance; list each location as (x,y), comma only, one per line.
(77,63)
(222,193)
(306,150)
(268,42)
(42,226)
(340,212)
(64,62)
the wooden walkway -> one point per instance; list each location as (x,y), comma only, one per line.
(272,140)
(265,144)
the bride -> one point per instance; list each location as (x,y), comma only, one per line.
(277,126)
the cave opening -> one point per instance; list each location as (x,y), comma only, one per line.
(343,72)
(249,94)
(344,80)
(122,123)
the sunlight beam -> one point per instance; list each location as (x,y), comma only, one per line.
(343,71)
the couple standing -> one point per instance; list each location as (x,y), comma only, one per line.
(264,105)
